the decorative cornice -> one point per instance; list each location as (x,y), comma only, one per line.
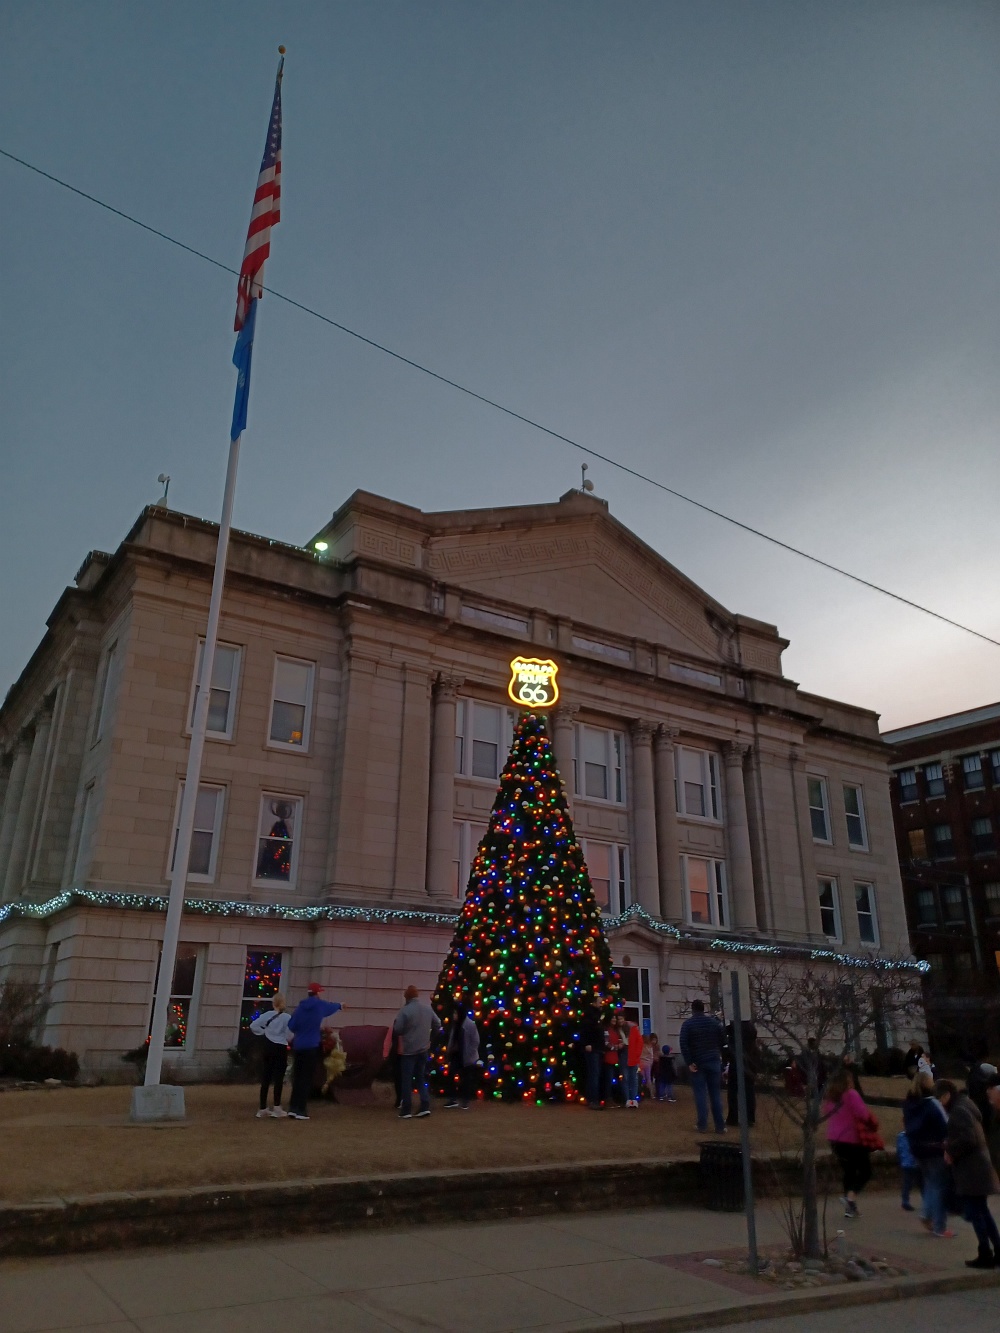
(642,731)
(446,687)
(666,737)
(735,752)
(384,916)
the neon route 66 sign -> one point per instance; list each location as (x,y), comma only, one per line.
(533,682)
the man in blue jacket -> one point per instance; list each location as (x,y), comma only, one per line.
(304,1025)
(701,1041)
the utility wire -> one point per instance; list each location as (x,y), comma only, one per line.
(508,411)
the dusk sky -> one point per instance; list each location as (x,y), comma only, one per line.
(748,248)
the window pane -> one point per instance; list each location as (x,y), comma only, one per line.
(934,778)
(694,799)
(274,847)
(291,681)
(184,969)
(595,777)
(200,860)
(699,891)
(486,723)
(917,839)
(595,745)
(953,900)
(205,807)
(287,722)
(827,908)
(908,784)
(817,810)
(459,754)
(972,769)
(818,820)
(484,759)
(178,1012)
(926,907)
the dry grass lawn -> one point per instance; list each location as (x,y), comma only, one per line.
(76,1141)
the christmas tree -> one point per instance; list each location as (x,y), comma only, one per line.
(529,955)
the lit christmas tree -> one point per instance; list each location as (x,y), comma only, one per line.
(529,955)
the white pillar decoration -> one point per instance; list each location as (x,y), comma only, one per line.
(744,908)
(667,841)
(19,847)
(441,819)
(644,860)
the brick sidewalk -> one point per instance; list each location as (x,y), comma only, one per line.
(572,1272)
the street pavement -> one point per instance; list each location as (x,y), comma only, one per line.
(594,1271)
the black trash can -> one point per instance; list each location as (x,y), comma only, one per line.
(722,1176)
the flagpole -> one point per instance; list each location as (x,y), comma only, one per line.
(192,779)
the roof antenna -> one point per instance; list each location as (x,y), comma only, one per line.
(585,485)
(164,481)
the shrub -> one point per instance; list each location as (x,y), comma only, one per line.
(37,1063)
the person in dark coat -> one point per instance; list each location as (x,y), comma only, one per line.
(975,1179)
(926,1124)
(701,1040)
(463,1058)
(304,1025)
(592,1039)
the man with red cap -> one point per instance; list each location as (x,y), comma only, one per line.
(304,1025)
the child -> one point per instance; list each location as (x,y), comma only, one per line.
(912,1176)
(650,1054)
(665,1076)
(633,1058)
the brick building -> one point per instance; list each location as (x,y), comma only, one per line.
(358,725)
(946,803)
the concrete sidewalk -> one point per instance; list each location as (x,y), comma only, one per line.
(572,1272)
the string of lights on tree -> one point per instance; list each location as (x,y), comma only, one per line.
(529,955)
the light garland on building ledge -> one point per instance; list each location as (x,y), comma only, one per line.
(388,916)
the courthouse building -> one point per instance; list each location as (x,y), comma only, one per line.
(359,722)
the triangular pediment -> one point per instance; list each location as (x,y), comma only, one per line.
(590,570)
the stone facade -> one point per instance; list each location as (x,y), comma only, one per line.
(361,705)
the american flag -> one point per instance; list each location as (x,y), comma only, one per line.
(266,212)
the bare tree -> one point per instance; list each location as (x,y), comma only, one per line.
(814,1008)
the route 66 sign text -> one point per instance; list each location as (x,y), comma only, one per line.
(533,682)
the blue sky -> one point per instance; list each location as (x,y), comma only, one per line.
(749,249)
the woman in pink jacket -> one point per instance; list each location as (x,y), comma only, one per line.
(845,1109)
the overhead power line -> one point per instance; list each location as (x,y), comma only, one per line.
(508,411)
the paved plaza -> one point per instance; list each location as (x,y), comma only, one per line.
(571,1272)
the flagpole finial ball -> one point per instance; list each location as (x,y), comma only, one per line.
(281,50)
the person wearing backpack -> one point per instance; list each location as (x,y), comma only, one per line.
(272,1027)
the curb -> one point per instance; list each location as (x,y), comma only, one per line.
(808,1302)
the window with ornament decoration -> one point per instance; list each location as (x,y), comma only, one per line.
(183,990)
(261,979)
(278,841)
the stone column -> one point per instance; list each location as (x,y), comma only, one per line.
(810,883)
(348,845)
(740,862)
(20,843)
(644,860)
(441,814)
(12,804)
(667,842)
(414,774)
(563,724)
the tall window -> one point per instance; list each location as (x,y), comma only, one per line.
(819,810)
(222,696)
(854,809)
(829,909)
(291,703)
(599,764)
(942,842)
(85,835)
(917,839)
(953,905)
(926,904)
(907,784)
(636,999)
(105,687)
(992,895)
(483,734)
(934,779)
(204,838)
(864,897)
(705,887)
(261,978)
(972,772)
(278,834)
(982,837)
(607,865)
(698,783)
(468,836)
(180,1018)
(995,766)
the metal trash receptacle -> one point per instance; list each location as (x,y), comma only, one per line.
(721,1167)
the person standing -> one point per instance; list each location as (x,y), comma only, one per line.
(846,1118)
(633,1057)
(613,1040)
(273,1027)
(665,1075)
(925,1124)
(592,1041)
(304,1025)
(966,1153)
(414,1024)
(649,1057)
(463,1058)
(701,1041)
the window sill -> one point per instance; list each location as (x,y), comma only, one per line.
(272,885)
(218,737)
(282,748)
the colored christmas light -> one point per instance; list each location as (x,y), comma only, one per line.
(554,961)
